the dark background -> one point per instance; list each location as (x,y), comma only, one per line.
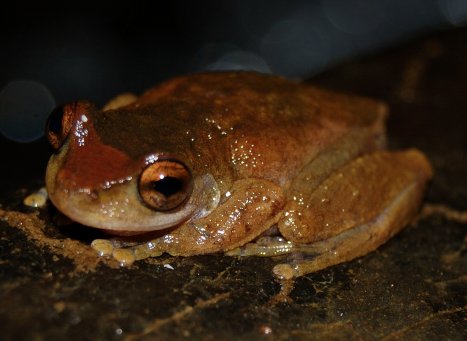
(94,50)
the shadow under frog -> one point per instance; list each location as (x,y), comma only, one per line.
(235,162)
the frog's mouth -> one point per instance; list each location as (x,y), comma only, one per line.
(120,210)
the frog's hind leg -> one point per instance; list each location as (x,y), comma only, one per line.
(357,241)
(351,213)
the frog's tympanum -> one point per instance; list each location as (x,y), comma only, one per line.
(235,162)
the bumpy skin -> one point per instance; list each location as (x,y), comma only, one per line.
(262,150)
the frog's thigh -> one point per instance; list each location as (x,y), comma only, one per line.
(355,194)
(355,210)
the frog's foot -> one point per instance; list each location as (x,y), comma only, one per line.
(271,246)
(278,246)
(125,255)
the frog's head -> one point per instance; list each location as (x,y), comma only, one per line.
(94,182)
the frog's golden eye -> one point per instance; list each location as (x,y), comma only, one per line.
(59,125)
(165,184)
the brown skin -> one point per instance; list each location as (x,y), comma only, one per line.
(261,150)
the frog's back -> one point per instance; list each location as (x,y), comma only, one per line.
(266,99)
(271,126)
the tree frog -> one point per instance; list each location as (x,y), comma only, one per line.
(236,162)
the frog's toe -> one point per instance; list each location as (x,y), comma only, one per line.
(110,248)
(125,257)
(104,247)
(146,250)
(124,253)
(285,271)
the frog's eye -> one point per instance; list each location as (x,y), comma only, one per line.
(59,125)
(165,184)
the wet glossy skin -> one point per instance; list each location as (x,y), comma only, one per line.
(262,152)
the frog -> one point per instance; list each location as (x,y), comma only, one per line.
(235,162)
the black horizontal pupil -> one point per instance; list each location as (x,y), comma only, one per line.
(168,186)
(55,121)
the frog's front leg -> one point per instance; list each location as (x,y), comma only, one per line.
(352,212)
(249,208)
